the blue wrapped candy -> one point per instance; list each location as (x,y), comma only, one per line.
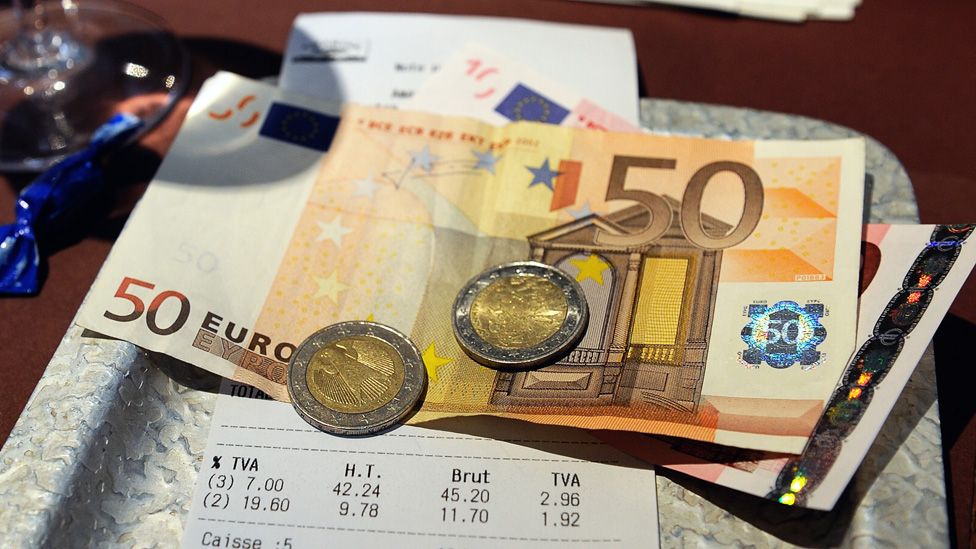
(50,198)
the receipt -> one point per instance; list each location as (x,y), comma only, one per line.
(382,59)
(268,480)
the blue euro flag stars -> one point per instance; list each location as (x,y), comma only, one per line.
(524,103)
(299,126)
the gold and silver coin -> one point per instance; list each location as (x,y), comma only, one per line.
(519,315)
(355,378)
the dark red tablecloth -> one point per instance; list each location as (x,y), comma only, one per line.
(902,71)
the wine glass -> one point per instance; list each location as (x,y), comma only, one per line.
(67,66)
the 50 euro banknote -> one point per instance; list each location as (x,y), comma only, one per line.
(721,276)
(479,82)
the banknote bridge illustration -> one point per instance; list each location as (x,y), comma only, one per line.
(650,310)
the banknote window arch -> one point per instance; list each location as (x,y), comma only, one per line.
(654,325)
(597,277)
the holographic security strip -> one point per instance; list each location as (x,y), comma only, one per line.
(870,365)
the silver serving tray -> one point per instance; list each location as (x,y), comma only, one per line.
(109,445)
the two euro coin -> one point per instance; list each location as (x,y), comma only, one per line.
(355,378)
(519,315)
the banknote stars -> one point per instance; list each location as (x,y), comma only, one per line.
(423,159)
(590,268)
(333,230)
(366,187)
(486,161)
(433,362)
(329,287)
(582,212)
(543,175)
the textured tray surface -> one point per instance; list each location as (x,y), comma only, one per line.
(107,450)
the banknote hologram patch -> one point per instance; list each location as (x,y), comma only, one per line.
(783,334)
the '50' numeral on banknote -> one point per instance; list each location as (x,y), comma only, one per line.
(139,307)
(690,213)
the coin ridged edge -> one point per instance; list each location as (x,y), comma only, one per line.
(483,352)
(356,424)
